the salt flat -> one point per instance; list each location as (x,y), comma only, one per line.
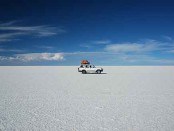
(59,98)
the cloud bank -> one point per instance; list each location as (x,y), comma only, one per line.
(147,52)
(33,57)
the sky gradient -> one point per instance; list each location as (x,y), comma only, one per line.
(106,32)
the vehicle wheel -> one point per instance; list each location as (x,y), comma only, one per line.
(98,71)
(83,72)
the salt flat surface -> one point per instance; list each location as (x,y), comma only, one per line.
(62,99)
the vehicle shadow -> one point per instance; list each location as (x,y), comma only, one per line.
(94,74)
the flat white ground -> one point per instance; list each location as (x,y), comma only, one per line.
(62,99)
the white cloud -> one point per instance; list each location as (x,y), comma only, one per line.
(34,57)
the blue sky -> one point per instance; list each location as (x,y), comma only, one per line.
(106,32)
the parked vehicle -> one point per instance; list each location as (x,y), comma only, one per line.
(87,68)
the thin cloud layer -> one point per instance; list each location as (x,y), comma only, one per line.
(130,47)
(7,37)
(102,42)
(171,51)
(139,47)
(11,50)
(18,30)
